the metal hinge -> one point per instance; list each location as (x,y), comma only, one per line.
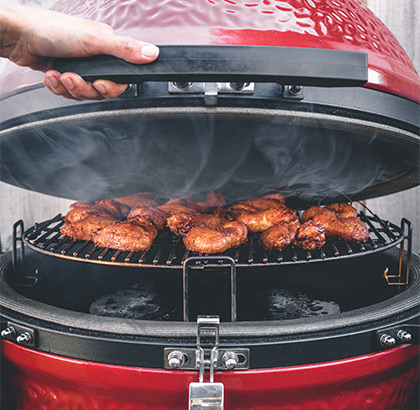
(211,90)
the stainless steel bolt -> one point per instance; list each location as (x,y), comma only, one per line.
(24,338)
(295,89)
(404,336)
(230,360)
(182,85)
(387,340)
(8,333)
(239,86)
(176,359)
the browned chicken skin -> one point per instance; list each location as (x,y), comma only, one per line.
(137,200)
(176,206)
(262,220)
(310,236)
(202,239)
(135,235)
(340,221)
(116,209)
(279,236)
(353,230)
(181,224)
(155,215)
(212,201)
(105,223)
(84,229)
(343,210)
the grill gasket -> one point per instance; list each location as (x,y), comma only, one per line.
(169,252)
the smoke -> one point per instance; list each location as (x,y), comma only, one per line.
(189,151)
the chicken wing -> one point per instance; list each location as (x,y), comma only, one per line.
(212,201)
(137,200)
(181,224)
(202,239)
(135,235)
(84,229)
(310,236)
(279,236)
(156,216)
(262,220)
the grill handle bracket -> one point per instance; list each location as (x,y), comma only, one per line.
(202,261)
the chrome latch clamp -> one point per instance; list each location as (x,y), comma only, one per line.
(205,395)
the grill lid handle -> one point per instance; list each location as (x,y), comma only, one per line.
(220,63)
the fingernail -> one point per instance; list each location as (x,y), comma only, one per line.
(67,82)
(150,51)
(51,81)
(100,88)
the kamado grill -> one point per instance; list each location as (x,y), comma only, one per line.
(313,99)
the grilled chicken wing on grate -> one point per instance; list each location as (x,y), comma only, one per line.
(212,201)
(340,221)
(181,224)
(157,216)
(135,235)
(279,236)
(262,220)
(176,206)
(137,200)
(310,236)
(84,229)
(202,239)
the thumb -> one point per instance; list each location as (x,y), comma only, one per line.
(131,50)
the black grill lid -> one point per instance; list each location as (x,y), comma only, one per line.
(326,144)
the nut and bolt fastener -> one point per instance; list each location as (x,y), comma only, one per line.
(8,333)
(176,359)
(239,86)
(182,85)
(230,360)
(24,338)
(387,340)
(404,336)
(295,89)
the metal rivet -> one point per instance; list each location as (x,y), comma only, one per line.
(387,340)
(8,333)
(239,86)
(295,89)
(24,338)
(182,85)
(176,359)
(230,360)
(404,336)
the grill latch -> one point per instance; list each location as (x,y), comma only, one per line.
(206,394)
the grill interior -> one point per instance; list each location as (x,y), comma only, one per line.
(168,250)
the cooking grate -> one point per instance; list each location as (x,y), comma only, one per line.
(168,250)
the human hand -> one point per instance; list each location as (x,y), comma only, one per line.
(32,37)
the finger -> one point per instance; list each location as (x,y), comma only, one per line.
(130,50)
(78,87)
(109,89)
(53,84)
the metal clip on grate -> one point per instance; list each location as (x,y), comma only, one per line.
(203,261)
(400,280)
